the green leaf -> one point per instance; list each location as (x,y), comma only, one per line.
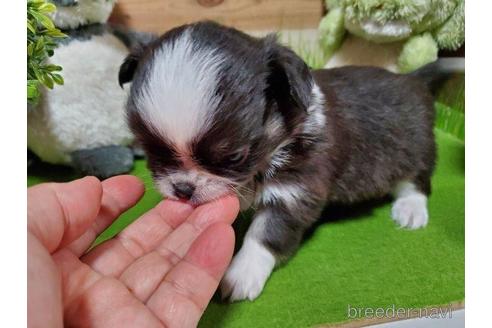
(30,27)
(37,74)
(39,44)
(30,49)
(32,91)
(49,43)
(52,68)
(42,36)
(43,20)
(56,33)
(47,8)
(35,4)
(47,81)
(58,79)
(44,78)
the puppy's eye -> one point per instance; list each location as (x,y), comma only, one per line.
(238,157)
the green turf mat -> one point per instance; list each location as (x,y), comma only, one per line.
(355,256)
(450,107)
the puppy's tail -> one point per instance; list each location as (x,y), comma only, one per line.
(435,73)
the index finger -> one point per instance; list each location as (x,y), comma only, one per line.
(119,193)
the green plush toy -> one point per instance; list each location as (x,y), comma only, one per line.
(425,26)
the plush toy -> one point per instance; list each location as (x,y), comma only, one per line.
(415,30)
(82,123)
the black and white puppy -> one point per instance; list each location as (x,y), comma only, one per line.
(218,111)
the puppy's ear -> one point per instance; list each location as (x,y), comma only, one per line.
(129,66)
(289,81)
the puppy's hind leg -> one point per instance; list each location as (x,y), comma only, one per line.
(410,205)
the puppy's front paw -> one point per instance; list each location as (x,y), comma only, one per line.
(411,211)
(247,273)
(242,281)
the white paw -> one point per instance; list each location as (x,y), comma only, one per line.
(411,211)
(247,273)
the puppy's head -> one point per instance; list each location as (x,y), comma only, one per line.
(211,106)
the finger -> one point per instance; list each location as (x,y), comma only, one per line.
(221,210)
(58,213)
(143,235)
(182,297)
(119,194)
(144,275)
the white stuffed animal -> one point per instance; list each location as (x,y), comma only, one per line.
(82,123)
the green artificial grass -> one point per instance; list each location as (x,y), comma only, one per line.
(450,120)
(355,256)
(450,107)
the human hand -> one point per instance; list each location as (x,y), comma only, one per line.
(161,270)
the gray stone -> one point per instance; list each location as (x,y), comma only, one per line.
(103,162)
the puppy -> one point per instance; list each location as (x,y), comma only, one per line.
(218,111)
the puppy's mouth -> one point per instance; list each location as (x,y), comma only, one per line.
(197,201)
(193,193)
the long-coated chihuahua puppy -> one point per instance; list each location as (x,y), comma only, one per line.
(218,111)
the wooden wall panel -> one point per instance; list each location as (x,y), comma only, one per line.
(161,15)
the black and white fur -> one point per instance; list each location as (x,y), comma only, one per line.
(218,111)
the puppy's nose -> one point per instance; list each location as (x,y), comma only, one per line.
(183,190)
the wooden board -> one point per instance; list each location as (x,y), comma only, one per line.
(161,15)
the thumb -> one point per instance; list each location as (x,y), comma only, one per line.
(58,213)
